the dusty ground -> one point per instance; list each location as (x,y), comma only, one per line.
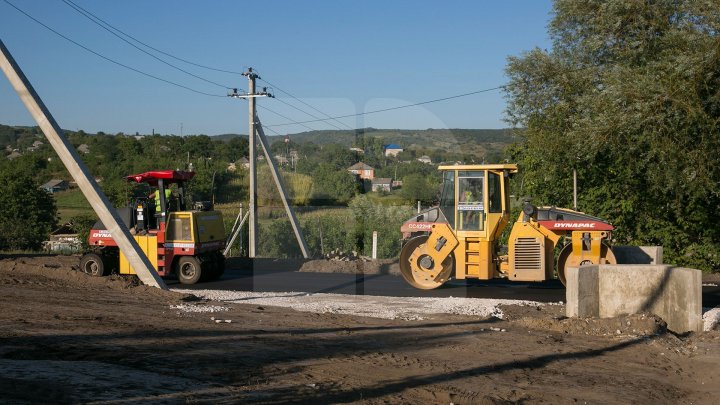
(68,338)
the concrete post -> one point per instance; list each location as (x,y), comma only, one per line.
(281,189)
(374,245)
(80,173)
(252,209)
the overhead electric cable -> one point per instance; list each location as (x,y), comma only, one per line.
(149,46)
(393,108)
(107,58)
(305,112)
(287,118)
(303,102)
(81,11)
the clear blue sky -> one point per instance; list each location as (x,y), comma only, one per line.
(342,57)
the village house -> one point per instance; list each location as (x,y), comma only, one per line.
(35,146)
(393,149)
(365,172)
(381,184)
(425,159)
(55,185)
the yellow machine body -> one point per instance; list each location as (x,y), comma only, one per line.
(474,210)
(186,233)
(149,245)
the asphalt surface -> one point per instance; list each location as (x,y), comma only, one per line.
(283,280)
(375,284)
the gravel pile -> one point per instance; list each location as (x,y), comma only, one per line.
(406,308)
(711,318)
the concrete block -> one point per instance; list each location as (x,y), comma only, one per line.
(638,254)
(605,291)
(583,300)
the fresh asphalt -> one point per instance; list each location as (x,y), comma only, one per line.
(375,284)
(265,277)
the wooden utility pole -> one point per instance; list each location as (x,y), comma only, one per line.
(80,173)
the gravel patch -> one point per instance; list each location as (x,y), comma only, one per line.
(198,308)
(711,318)
(404,308)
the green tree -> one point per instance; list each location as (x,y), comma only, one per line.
(331,185)
(235,149)
(371,216)
(416,188)
(629,96)
(28,214)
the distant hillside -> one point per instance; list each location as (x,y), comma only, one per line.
(471,141)
(467,141)
(227,137)
(405,137)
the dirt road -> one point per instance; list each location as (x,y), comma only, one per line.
(68,338)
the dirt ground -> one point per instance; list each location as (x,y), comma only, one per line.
(69,338)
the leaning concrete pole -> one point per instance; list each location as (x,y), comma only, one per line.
(79,171)
(281,188)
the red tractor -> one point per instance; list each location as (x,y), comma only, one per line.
(186,243)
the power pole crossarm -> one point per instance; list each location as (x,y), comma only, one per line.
(79,171)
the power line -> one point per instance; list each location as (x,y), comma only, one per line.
(150,47)
(305,112)
(394,108)
(87,15)
(302,124)
(303,102)
(107,58)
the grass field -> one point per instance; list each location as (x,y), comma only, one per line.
(71,203)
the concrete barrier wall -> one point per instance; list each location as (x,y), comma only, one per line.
(638,254)
(673,293)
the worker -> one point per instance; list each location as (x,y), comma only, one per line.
(155,195)
(471,197)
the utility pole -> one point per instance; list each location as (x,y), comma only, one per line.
(257,133)
(252,226)
(575,189)
(252,208)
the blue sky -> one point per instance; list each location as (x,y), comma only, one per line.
(341,57)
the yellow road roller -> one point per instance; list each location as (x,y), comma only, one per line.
(460,237)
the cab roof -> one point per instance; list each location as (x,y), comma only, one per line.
(512,168)
(168,177)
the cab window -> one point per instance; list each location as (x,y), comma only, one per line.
(494,193)
(447,198)
(471,209)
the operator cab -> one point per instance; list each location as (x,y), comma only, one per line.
(146,217)
(474,198)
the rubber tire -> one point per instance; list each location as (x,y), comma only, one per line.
(93,264)
(189,270)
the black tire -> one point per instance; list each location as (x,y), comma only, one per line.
(189,269)
(93,264)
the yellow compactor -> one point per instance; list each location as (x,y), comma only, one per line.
(459,238)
